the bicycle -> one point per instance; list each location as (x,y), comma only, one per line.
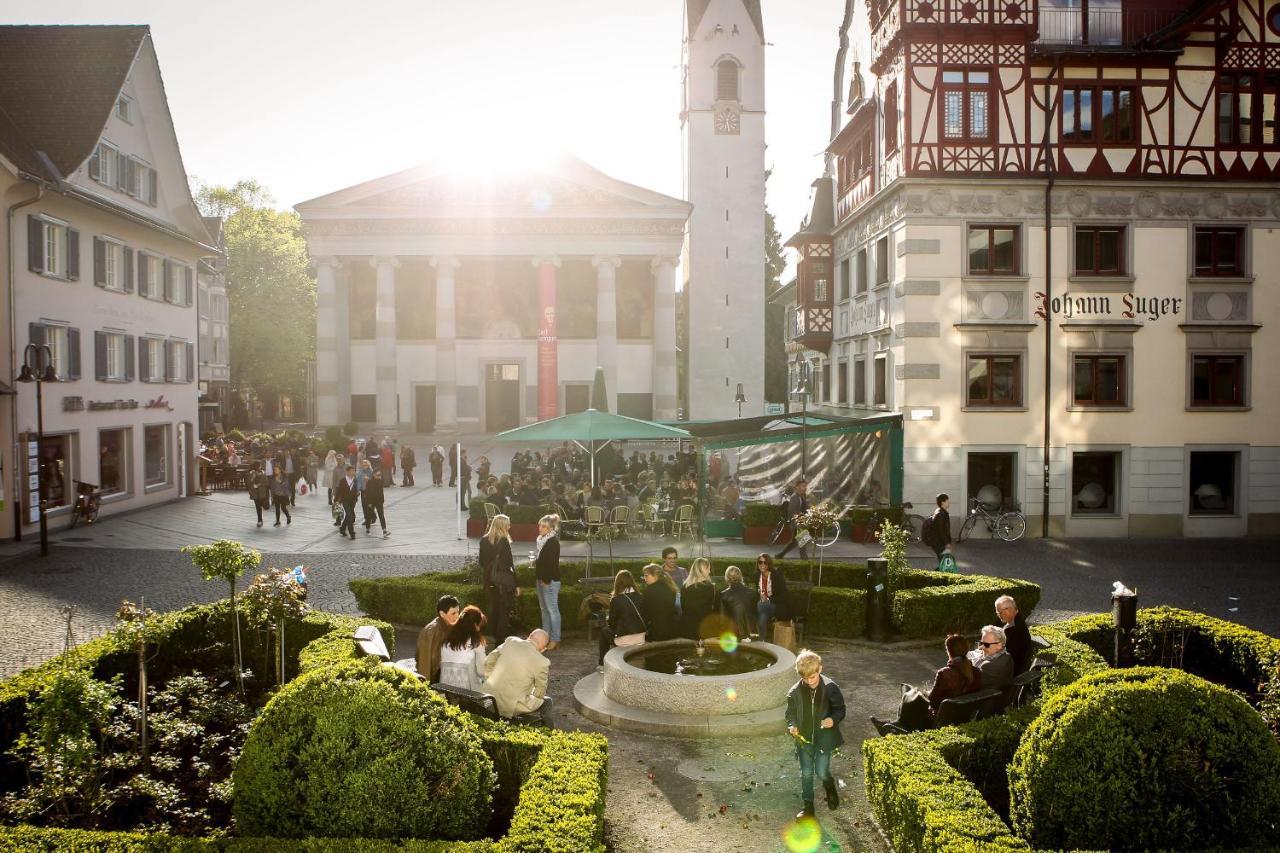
(912,523)
(1002,523)
(88,503)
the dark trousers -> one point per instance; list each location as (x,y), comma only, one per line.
(408,477)
(260,506)
(606,642)
(282,503)
(453,476)
(371,510)
(349,521)
(437,474)
(292,479)
(502,600)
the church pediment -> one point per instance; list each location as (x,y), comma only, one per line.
(520,193)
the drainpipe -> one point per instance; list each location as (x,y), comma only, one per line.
(1048,293)
(13,350)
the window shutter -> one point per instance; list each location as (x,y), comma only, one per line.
(128,358)
(37,334)
(73,351)
(99,262)
(100,356)
(143,262)
(168,280)
(73,254)
(125,170)
(128,270)
(188,294)
(144,363)
(151,187)
(35,244)
(168,362)
(191,351)
(95,169)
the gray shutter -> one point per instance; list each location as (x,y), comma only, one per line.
(187,287)
(37,334)
(191,361)
(73,254)
(168,280)
(151,187)
(35,244)
(128,270)
(99,262)
(128,358)
(100,356)
(169,373)
(125,171)
(143,263)
(95,169)
(144,364)
(73,348)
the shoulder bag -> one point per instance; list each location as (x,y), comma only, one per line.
(631,639)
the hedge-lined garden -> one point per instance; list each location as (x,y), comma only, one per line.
(348,755)
(923,604)
(1078,769)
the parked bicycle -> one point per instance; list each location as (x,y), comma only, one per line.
(912,523)
(1006,524)
(88,502)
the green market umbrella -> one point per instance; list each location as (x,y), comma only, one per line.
(586,428)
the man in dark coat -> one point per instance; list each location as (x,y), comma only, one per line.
(815,707)
(1017,637)
(374,499)
(797,504)
(347,494)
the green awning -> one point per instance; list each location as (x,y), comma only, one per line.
(592,425)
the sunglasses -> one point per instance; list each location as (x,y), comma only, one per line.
(985,645)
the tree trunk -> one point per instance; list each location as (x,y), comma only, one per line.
(235,640)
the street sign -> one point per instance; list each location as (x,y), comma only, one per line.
(774,409)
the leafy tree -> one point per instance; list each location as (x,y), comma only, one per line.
(270,287)
(271,599)
(226,560)
(775,354)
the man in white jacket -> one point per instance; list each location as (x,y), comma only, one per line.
(516,676)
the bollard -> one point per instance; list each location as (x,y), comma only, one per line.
(1124,615)
(877,599)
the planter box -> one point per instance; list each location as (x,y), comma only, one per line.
(760,535)
(723,528)
(524,532)
(475,528)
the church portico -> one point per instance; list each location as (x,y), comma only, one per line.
(446,306)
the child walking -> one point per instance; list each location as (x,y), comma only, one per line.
(815,707)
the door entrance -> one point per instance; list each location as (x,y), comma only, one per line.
(991,478)
(501,397)
(424,408)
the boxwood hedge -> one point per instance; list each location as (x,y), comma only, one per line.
(923,603)
(933,790)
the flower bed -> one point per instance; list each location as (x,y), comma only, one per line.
(923,603)
(935,790)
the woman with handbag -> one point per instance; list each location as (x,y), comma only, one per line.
(499,574)
(626,625)
(547,568)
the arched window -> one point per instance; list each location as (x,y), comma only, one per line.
(726,80)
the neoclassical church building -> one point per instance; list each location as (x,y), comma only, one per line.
(450,302)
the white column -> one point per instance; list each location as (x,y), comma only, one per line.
(607,323)
(327,413)
(342,339)
(385,344)
(664,338)
(446,347)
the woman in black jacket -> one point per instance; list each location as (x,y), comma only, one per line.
(659,604)
(547,569)
(626,620)
(499,574)
(697,601)
(737,601)
(259,490)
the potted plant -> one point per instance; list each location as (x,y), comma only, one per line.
(524,521)
(759,521)
(476,521)
(861,520)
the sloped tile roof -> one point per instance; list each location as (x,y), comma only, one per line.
(58,85)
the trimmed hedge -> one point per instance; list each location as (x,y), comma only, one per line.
(922,603)
(1145,758)
(29,839)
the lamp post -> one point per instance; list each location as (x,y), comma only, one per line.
(740,398)
(32,371)
(801,392)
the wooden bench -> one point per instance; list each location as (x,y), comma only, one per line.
(482,704)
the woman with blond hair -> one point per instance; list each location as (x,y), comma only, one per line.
(697,600)
(659,604)
(546,565)
(499,572)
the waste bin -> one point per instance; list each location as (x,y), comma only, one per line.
(1124,615)
(877,599)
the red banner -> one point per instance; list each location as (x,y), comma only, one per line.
(548,370)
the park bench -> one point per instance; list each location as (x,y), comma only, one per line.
(482,704)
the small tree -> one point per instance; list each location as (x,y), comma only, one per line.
(133,627)
(819,521)
(227,560)
(893,544)
(269,601)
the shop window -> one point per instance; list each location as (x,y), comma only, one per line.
(1212,482)
(113,461)
(1095,486)
(991,478)
(56,474)
(1217,380)
(994,380)
(1099,380)
(155,455)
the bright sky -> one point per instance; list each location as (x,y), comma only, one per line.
(311,97)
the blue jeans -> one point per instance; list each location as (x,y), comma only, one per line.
(813,761)
(549,604)
(764,615)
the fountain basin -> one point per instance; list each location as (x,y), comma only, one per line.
(626,695)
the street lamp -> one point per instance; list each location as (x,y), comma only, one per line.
(740,398)
(801,392)
(32,371)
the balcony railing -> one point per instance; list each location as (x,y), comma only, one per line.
(1099,27)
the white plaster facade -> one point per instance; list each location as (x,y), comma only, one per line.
(422,249)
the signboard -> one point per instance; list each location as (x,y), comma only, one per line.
(775,409)
(33,482)
(548,370)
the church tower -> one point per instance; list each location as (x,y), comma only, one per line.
(723,124)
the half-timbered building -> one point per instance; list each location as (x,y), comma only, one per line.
(1057,222)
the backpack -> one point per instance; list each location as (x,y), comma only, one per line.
(928,532)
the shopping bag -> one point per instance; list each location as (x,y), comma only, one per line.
(302,490)
(784,634)
(947,563)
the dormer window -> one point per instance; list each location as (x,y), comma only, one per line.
(727,80)
(124,109)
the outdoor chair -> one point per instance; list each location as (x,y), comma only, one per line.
(640,522)
(482,704)
(490,510)
(570,528)
(653,523)
(620,520)
(683,521)
(594,518)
